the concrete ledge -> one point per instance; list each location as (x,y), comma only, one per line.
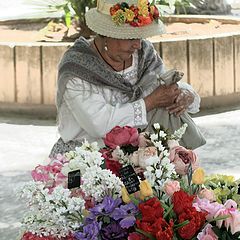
(201,19)
(38,111)
(221,101)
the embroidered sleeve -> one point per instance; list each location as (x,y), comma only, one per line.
(96,115)
(139,113)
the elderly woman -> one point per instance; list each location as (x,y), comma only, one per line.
(112,79)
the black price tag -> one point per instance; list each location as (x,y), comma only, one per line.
(130,179)
(74,179)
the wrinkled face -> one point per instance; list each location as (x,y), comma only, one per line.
(122,49)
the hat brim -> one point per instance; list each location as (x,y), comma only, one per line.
(102,24)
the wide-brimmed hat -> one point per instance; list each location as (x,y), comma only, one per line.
(131,19)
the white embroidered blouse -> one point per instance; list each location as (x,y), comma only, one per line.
(89,111)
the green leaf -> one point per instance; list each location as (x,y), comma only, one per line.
(145,234)
(182,224)
(219,218)
(168,211)
(67,16)
(134,200)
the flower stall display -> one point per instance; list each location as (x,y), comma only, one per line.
(139,186)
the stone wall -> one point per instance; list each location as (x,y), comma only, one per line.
(211,66)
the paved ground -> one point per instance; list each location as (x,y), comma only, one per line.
(26,142)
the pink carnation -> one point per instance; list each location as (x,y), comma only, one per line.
(171,187)
(208,194)
(204,205)
(207,233)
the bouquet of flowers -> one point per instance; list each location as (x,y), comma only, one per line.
(139,186)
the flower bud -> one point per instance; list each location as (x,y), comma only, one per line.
(145,189)
(125,195)
(198,176)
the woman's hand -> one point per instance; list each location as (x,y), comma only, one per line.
(182,102)
(163,96)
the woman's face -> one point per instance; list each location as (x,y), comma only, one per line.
(122,49)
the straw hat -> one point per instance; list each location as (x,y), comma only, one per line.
(132,19)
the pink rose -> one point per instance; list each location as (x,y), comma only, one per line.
(170,187)
(143,141)
(208,194)
(120,136)
(207,233)
(172,143)
(182,157)
(147,156)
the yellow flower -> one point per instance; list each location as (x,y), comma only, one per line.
(119,17)
(198,176)
(145,189)
(125,195)
(129,15)
(143,8)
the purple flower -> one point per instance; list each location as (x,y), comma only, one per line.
(127,215)
(106,207)
(113,231)
(90,232)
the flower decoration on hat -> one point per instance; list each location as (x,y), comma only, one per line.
(142,14)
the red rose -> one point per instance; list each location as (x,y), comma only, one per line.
(114,166)
(120,136)
(151,210)
(196,221)
(181,200)
(111,164)
(182,157)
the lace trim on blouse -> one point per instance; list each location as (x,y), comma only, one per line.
(138,114)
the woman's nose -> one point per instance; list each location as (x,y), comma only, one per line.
(136,43)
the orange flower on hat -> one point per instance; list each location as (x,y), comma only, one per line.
(144,20)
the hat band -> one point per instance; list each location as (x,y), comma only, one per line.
(103,7)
